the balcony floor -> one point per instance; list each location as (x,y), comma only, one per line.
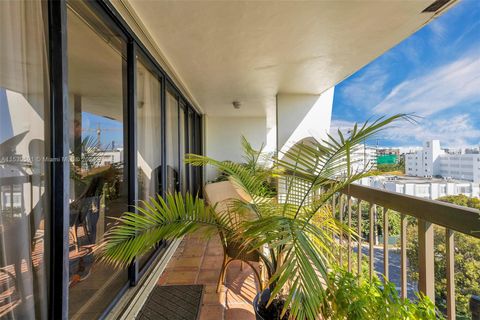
(198,261)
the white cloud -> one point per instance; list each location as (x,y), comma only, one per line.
(443,88)
(368,88)
(457,131)
(438,29)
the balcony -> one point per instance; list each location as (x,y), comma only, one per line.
(101,100)
(198,261)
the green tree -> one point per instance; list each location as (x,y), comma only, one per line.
(393,220)
(467,261)
(392,167)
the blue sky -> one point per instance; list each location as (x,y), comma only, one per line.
(435,74)
(111,129)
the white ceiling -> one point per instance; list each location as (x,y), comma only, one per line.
(250,50)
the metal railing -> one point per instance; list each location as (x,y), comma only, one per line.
(427,213)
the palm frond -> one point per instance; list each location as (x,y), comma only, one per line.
(319,163)
(242,178)
(303,272)
(157,219)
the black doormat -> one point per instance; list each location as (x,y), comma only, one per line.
(173,302)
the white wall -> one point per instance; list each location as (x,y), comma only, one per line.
(302,116)
(223,138)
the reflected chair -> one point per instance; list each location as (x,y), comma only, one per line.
(80,211)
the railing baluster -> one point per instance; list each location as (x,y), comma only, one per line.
(334,215)
(11,200)
(426,279)
(371,240)
(385,243)
(449,244)
(359,231)
(349,254)
(340,212)
(403,254)
(333,205)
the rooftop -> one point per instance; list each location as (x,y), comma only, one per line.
(421,180)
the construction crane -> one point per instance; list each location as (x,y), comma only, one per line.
(99,131)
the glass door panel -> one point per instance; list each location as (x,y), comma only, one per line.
(24,198)
(183,149)
(172,139)
(98,184)
(149,138)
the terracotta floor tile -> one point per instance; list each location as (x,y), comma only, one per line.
(193,251)
(234,272)
(208,276)
(214,242)
(244,295)
(212,262)
(181,277)
(211,312)
(163,279)
(187,262)
(198,260)
(214,298)
(214,251)
(240,312)
(212,288)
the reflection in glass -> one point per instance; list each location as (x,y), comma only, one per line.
(197,149)
(149,135)
(96,65)
(149,138)
(183,151)
(191,149)
(172,144)
(23,196)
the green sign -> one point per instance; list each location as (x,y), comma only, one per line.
(387,159)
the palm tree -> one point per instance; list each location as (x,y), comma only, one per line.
(296,251)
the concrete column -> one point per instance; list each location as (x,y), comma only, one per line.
(301,116)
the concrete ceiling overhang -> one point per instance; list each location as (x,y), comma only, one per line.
(251,50)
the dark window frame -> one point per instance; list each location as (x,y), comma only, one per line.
(57,258)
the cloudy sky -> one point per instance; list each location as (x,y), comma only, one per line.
(434,74)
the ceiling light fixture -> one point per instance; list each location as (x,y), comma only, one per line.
(236,104)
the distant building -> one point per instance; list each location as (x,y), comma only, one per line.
(108,157)
(430,188)
(388,151)
(388,156)
(364,157)
(432,161)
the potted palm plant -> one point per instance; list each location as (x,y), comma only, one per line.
(296,250)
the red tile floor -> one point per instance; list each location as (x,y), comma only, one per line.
(198,261)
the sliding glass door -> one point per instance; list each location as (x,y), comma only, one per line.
(98,181)
(172,140)
(148,137)
(183,147)
(79,150)
(149,133)
(24,194)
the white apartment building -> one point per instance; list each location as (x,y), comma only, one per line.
(432,161)
(430,188)
(108,157)
(364,158)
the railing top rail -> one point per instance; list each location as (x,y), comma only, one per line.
(458,218)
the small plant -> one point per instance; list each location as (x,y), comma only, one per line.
(352,297)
